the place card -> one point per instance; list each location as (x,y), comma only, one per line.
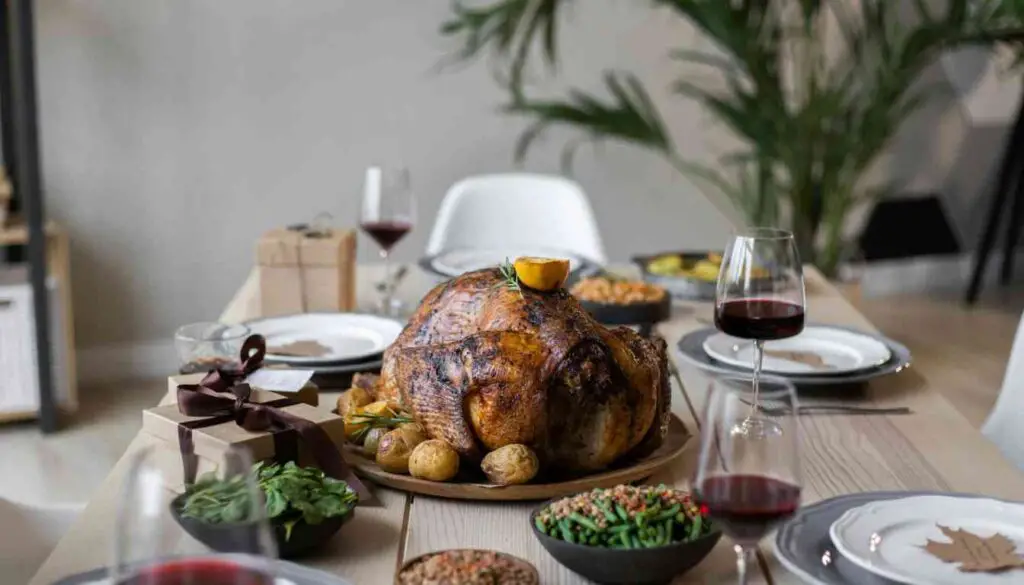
(280,380)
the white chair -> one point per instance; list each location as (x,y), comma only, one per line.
(517,210)
(28,533)
(1005,424)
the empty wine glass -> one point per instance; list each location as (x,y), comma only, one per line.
(760,291)
(151,546)
(748,472)
(387,215)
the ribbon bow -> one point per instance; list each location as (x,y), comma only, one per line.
(221,397)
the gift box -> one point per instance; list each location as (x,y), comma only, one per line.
(306,270)
(223,411)
(163,425)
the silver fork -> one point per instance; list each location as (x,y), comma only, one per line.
(812,409)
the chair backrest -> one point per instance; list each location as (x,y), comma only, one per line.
(1005,424)
(28,533)
(517,209)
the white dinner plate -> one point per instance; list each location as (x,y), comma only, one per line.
(887,537)
(458,261)
(842,351)
(347,336)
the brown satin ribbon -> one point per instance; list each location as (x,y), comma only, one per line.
(221,397)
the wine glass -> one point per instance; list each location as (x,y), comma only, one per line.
(150,546)
(748,473)
(760,291)
(388,213)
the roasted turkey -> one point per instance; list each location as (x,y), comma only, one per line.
(482,365)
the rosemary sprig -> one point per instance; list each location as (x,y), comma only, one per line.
(374,421)
(511,280)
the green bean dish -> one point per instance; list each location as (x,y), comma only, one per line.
(625,517)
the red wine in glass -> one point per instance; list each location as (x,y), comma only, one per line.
(748,507)
(386,233)
(761,319)
(198,572)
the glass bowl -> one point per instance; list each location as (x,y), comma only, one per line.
(207,345)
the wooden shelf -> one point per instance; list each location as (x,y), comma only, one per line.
(16,233)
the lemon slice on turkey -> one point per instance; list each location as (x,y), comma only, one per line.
(543,274)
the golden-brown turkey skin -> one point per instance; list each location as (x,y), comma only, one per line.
(482,366)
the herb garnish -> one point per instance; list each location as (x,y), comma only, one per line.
(292,493)
(369,421)
(511,281)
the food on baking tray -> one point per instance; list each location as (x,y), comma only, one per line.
(483,364)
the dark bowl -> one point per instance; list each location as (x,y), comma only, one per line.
(630,314)
(242,538)
(644,566)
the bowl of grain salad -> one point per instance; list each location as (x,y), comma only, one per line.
(467,567)
(626,534)
(620,301)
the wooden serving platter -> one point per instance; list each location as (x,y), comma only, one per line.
(671,448)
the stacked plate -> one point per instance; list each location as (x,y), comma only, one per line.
(821,355)
(328,343)
(456,261)
(878,538)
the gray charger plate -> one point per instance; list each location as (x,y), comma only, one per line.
(585,267)
(803,544)
(287,573)
(691,349)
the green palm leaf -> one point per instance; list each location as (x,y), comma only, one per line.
(628,114)
(811,124)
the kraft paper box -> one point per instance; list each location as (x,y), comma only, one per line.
(303,271)
(161,424)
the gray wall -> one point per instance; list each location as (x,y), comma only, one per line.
(176,131)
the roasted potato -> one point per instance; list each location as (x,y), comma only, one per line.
(511,464)
(372,441)
(393,451)
(414,432)
(353,398)
(354,422)
(434,460)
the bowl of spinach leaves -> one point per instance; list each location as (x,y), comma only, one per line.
(305,508)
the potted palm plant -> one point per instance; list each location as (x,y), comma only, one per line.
(814,89)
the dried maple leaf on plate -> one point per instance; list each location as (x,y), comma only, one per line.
(974,553)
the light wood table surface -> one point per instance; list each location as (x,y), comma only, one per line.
(934,448)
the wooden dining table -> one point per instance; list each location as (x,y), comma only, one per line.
(933,448)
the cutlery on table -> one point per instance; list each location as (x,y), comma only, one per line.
(811,409)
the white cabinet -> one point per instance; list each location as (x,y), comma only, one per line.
(19,377)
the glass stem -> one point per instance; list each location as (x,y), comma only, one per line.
(758,357)
(385,308)
(744,560)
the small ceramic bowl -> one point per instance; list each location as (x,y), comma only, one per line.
(532,579)
(643,566)
(240,537)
